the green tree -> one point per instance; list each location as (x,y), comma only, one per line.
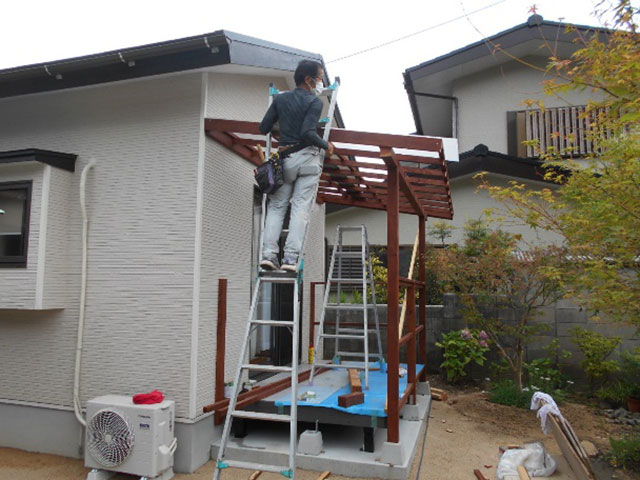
(441,230)
(492,278)
(597,209)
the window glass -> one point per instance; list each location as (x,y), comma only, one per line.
(14,205)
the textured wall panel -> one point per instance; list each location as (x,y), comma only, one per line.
(141,200)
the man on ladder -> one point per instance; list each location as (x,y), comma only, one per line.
(298,113)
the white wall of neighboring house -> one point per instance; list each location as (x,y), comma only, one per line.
(484,99)
(468,204)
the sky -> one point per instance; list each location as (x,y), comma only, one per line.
(372,95)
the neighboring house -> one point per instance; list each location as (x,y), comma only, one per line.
(476,94)
(170,213)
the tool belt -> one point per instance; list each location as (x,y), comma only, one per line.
(270,175)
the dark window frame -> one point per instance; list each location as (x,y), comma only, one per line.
(19,261)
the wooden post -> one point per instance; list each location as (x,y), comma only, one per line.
(393,287)
(411,326)
(221,334)
(422,271)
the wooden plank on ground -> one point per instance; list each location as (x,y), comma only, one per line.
(354,380)
(522,473)
(324,475)
(439,394)
(581,468)
(255,475)
(479,475)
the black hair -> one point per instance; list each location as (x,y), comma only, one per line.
(306,68)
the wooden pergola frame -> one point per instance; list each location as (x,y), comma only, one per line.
(412,178)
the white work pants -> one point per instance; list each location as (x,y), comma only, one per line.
(301,175)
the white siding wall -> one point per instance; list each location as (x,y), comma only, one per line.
(141,199)
(485,98)
(468,204)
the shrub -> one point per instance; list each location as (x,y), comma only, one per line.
(625,451)
(506,393)
(615,393)
(631,372)
(596,349)
(461,347)
(544,373)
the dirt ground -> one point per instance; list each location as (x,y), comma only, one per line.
(464,434)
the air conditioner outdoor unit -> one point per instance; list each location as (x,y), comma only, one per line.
(122,437)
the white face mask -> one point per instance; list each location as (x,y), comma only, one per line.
(318,88)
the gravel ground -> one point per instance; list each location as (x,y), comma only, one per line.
(464,434)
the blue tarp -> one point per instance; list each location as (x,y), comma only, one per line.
(374,399)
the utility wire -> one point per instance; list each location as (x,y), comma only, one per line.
(466,14)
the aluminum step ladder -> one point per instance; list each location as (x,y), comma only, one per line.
(343,280)
(263,279)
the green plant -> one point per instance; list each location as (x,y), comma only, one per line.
(506,393)
(461,347)
(625,451)
(356,296)
(614,393)
(596,349)
(491,279)
(441,230)
(544,373)
(630,368)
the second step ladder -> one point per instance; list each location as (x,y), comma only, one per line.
(350,295)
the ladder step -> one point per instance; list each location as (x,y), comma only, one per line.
(347,228)
(346,337)
(355,330)
(347,306)
(272,417)
(266,368)
(339,365)
(349,254)
(273,323)
(255,466)
(290,278)
(352,281)
(356,354)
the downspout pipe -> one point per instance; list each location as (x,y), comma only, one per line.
(77,406)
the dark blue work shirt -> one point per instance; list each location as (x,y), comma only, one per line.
(298,112)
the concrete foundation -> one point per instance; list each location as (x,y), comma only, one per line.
(342,452)
(411,413)
(58,432)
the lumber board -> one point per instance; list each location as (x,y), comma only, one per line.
(479,475)
(324,475)
(439,394)
(410,276)
(522,473)
(354,380)
(576,462)
(349,399)
(255,475)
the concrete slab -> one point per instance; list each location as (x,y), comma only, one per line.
(342,452)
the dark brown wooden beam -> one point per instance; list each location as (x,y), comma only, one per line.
(221,337)
(393,313)
(413,142)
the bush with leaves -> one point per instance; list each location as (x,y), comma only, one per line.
(461,348)
(625,451)
(489,276)
(597,349)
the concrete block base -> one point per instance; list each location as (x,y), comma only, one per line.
(392,453)
(423,388)
(411,413)
(310,442)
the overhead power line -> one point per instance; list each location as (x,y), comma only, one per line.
(465,15)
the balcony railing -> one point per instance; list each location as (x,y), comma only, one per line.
(563,128)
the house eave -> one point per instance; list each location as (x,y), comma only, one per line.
(64,161)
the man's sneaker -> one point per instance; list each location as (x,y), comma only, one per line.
(270,263)
(289,263)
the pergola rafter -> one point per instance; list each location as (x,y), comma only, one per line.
(410,177)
